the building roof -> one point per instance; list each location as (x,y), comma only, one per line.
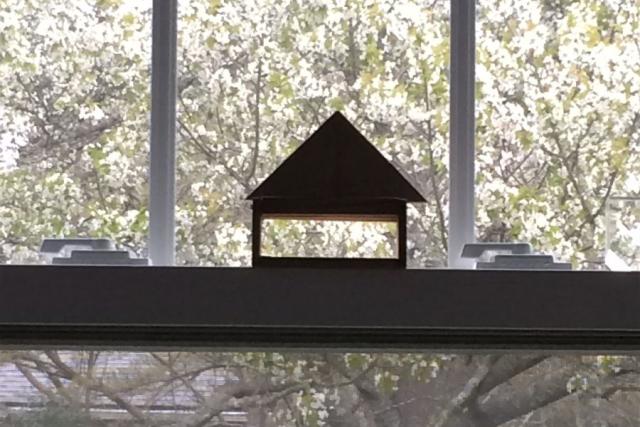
(156,399)
(337,163)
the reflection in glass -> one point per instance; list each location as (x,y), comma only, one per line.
(86,388)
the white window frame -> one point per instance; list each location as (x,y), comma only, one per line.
(461,227)
(162,167)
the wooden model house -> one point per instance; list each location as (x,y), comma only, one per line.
(336,174)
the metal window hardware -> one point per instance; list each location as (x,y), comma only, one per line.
(510,256)
(87,251)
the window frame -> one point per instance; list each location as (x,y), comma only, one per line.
(162,150)
(461,226)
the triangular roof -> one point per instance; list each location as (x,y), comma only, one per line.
(337,163)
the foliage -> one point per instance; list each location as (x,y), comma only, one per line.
(558,122)
(73,123)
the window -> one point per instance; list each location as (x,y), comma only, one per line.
(550,152)
(377,238)
(316,388)
(74,128)
(257,78)
(557,121)
(473,347)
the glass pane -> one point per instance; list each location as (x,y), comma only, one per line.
(97,388)
(74,107)
(557,121)
(256,78)
(623,233)
(327,239)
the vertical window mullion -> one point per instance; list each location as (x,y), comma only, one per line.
(163,133)
(461,131)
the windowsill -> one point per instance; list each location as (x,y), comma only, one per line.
(340,308)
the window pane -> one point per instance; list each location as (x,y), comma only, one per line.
(87,388)
(256,78)
(623,233)
(557,121)
(74,107)
(329,239)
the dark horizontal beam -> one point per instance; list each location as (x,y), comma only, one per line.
(334,263)
(321,308)
(185,338)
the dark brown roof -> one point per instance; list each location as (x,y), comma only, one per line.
(337,163)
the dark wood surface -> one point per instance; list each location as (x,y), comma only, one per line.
(326,308)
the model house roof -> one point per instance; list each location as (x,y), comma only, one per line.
(337,163)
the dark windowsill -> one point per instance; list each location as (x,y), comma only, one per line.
(318,308)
